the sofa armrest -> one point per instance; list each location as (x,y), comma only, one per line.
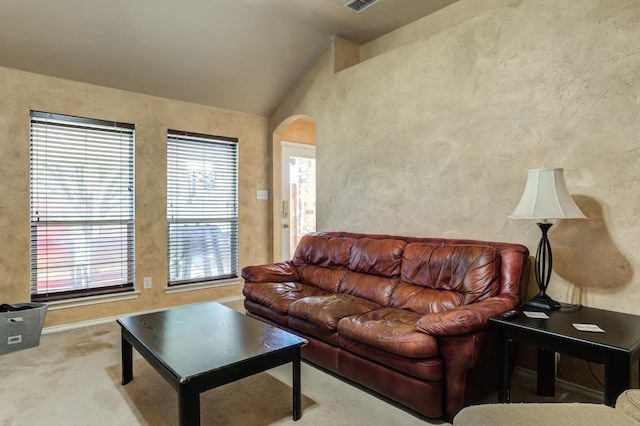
(470,363)
(466,318)
(629,403)
(275,272)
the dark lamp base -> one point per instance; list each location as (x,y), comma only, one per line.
(543,302)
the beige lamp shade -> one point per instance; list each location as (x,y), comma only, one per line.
(546,196)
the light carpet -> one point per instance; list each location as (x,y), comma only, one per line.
(258,400)
(73,378)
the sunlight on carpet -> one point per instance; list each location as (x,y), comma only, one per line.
(256,400)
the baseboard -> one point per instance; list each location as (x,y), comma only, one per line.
(560,383)
(97,321)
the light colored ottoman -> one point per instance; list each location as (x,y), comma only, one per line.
(626,412)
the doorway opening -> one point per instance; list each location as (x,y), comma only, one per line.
(298,194)
(294,184)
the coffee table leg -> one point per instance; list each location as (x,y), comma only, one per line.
(127,360)
(297,398)
(546,372)
(189,404)
(617,377)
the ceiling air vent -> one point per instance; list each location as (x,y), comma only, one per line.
(359,5)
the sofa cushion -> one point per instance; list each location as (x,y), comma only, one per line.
(311,330)
(325,278)
(323,250)
(261,311)
(471,271)
(377,256)
(278,296)
(326,311)
(371,287)
(389,329)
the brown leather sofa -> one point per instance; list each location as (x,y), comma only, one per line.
(405,317)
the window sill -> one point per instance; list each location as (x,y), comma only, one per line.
(201,286)
(91,300)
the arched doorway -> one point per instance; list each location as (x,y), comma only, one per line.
(294,138)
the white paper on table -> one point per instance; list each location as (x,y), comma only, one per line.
(588,327)
(534,314)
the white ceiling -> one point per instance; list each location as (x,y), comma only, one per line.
(241,55)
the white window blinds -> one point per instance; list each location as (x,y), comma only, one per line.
(81,184)
(202,207)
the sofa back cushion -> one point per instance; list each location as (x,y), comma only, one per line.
(323,250)
(322,260)
(367,286)
(380,257)
(373,269)
(436,277)
(328,279)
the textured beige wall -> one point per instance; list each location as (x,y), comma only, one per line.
(435,137)
(21,92)
(427,26)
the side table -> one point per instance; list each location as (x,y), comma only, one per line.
(616,349)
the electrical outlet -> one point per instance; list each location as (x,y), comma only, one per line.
(146,282)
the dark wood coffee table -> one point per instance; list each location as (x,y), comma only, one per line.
(617,349)
(199,347)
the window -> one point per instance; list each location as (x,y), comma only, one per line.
(81,207)
(202,207)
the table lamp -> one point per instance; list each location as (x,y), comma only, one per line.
(545,197)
